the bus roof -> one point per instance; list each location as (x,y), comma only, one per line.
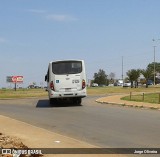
(66,60)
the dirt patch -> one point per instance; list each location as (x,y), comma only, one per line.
(8,142)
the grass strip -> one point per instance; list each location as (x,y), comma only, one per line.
(148,98)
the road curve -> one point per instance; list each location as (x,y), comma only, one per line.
(97,124)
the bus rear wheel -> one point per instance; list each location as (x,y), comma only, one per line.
(77,101)
(52,101)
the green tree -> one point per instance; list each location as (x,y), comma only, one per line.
(133,76)
(112,77)
(100,77)
(157,66)
(157,70)
(147,73)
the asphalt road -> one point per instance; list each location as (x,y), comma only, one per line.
(97,124)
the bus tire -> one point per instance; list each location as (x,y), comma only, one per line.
(52,101)
(77,101)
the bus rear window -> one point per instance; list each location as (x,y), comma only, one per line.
(67,67)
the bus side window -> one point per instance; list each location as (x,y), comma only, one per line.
(47,76)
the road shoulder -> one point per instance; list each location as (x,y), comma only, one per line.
(35,137)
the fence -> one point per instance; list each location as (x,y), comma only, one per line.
(146,97)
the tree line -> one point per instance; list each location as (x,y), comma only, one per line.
(132,75)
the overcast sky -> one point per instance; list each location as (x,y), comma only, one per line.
(35,32)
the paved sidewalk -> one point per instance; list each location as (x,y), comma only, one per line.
(116,100)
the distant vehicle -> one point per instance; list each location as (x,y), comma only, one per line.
(111,85)
(66,79)
(150,82)
(37,87)
(118,84)
(94,84)
(102,85)
(128,84)
(31,86)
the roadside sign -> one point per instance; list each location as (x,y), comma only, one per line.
(14,79)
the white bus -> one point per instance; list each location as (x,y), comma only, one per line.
(66,79)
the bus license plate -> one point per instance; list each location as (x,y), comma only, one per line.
(67,89)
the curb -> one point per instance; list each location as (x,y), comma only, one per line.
(125,105)
(22,98)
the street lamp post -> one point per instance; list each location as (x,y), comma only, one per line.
(154,70)
(122,71)
(154,66)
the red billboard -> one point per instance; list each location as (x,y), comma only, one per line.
(15,79)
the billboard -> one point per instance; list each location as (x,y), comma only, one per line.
(14,79)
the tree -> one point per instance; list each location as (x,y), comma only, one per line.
(130,77)
(157,66)
(133,76)
(100,77)
(147,73)
(157,70)
(112,77)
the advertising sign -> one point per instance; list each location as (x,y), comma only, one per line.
(9,79)
(14,79)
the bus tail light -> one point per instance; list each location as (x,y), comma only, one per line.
(83,84)
(51,85)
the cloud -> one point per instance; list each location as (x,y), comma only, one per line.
(60,17)
(53,17)
(2,40)
(36,11)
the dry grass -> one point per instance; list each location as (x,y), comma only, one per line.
(149,98)
(23,93)
(127,90)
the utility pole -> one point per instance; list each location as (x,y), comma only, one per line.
(154,65)
(122,70)
(154,58)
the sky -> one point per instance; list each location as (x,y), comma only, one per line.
(35,32)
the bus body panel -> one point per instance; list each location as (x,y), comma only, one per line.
(67,85)
(67,82)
